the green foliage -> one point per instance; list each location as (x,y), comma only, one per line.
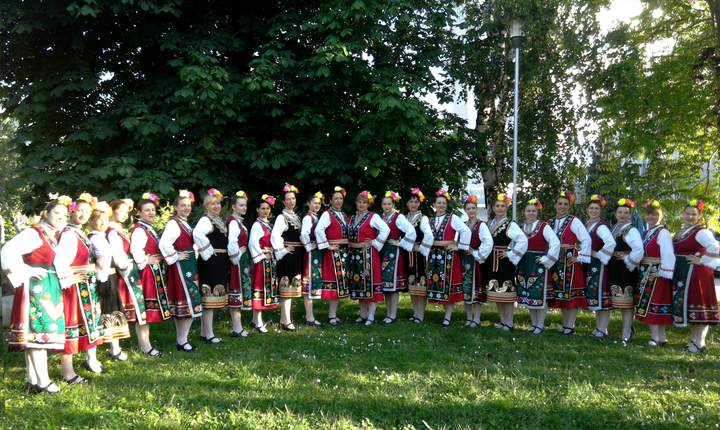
(120,97)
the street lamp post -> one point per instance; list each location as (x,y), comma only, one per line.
(517,37)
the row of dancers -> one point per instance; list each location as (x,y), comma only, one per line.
(75,291)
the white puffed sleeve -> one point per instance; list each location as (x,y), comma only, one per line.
(408,241)
(64,256)
(428,237)
(606,252)
(520,243)
(551,256)
(103,256)
(138,240)
(706,239)
(200,232)
(167,242)
(632,238)
(383,229)
(585,253)
(11,255)
(117,251)
(256,233)
(323,223)
(307,224)
(234,253)
(667,254)
(463,231)
(276,239)
(486,244)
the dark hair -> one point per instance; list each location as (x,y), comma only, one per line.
(650,209)
(387,197)
(52,204)
(234,199)
(115,204)
(176,201)
(143,202)
(694,207)
(438,196)
(593,202)
(78,202)
(409,196)
(624,206)
(285,193)
(468,202)
(260,202)
(563,197)
(336,192)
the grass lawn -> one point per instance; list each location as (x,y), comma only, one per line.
(404,376)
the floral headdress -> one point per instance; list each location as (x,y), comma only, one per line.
(600,199)
(340,190)
(443,192)
(393,195)
(368,196)
(652,202)
(471,199)
(505,198)
(290,188)
(66,201)
(241,194)
(319,195)
(187,195)
(129,203)
(268,199)
(699,204)
(214,192)
(103,207)
(627,202)
(416,191)
(537,203)
(568,195)
(150,196)
(89,198)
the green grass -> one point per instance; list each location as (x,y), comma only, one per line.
(403,376)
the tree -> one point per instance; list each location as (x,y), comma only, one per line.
(117,97)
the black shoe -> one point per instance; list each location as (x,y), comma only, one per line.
(117,357)
(334,321)
(183,348)
(243,334)
(360,320)
(388,320)
(570,331)
(154,352)
(445,323)
(314,323)
(287,327)
(213,340)
(37,389)
(87,367)
(77,380)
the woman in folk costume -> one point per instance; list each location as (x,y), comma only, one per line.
(37,321)
(533,272)
(75,265)
(654,291)
(473,260)
(263,281)
(177,247)
(445,277)
(402,237)
(145,250)
(367,234)
(416,260)
(113,318)
(568,282)
(694,299)
(599,298)
(331,232)
(290,255)
(312,264)
(622,268)
(509,245)
(211,236)
(128,277)
(240,291)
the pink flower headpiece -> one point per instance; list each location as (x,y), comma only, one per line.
(89,198)
(214,192)
(471,199)
(241,194)
(187,195)
(443,192)
(368,196)
(417,192)
(268,199)
(505,198)
(568,195)
(652,202)
(699,204)
(340,190)
(320,196)
(66,201)
(537,203)
(150,196)
(600,199)
(290,188)
(393,195)
(627,202)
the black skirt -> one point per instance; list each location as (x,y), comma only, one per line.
(109,295)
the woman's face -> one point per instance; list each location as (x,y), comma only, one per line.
(622,214)
(653,218)
(562,206)
(264,210)
(289,201)
(240,207)
(183,208)
(593,210)
(214,207)
(388,205)
(314,205)
(471,210)
(120,215)
(81,214)
(147,213)
(100,223)
(691,216)
(57,216)
(337,201)
(361,205)
(531,213)
(413,204)
(500,208)
(440,205)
